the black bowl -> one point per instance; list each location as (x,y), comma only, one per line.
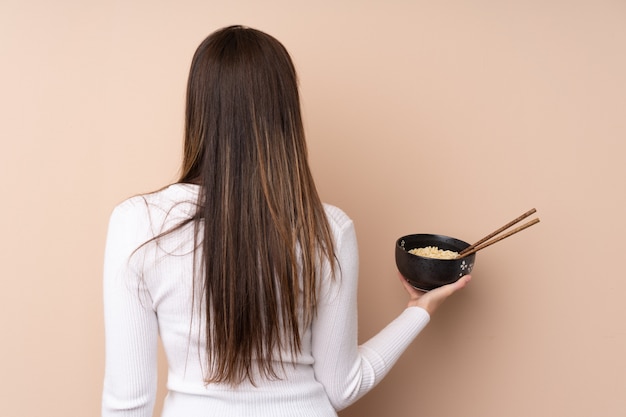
(429,273)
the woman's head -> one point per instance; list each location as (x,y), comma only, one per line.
(242,97)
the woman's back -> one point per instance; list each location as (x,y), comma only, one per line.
(152,295)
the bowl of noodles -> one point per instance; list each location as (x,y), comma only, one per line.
(428,261)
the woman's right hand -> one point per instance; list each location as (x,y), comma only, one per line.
(431,300)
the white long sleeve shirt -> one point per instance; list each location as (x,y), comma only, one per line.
(331,372)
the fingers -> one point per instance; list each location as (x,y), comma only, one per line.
(434,298)
(449,289)
(460,283)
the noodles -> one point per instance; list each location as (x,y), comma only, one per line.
(434,252)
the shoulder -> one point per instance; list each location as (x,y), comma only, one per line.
(128,225)
(174,200)
(340,223)
(337,218)
(130,208)
(140,218)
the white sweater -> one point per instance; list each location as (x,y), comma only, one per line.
(331,372)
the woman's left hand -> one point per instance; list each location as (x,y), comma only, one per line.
(431,300)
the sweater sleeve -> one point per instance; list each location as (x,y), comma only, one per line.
(348,371)
(131,329)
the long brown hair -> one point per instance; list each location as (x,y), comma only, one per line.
(260,223)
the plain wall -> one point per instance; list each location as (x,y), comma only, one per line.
(448,117)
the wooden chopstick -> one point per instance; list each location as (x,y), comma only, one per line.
(497,239)
(481,243)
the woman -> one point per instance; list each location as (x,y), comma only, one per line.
(249,280)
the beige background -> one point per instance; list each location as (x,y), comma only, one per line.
(448,117)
